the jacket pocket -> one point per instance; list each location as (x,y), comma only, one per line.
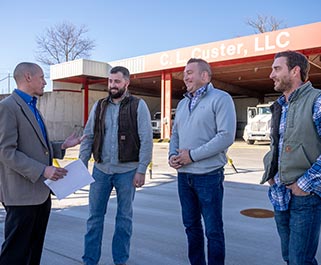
(294,162)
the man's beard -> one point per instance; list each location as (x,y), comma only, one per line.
(283,85)
(118,94)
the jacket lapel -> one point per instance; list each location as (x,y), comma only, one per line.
(30,117)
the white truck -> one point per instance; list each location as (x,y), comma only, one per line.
(157,122)
(258,125)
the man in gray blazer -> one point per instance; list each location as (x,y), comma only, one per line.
(25,162)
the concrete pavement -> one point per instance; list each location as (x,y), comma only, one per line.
(158,236)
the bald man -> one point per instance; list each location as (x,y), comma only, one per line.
(25,162)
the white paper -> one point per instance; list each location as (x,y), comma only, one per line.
(76,178)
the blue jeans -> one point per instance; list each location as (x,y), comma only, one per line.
(299,229)
(98,199)
(202,196)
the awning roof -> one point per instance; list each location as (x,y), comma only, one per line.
(241,66)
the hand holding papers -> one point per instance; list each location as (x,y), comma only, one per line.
(76,178)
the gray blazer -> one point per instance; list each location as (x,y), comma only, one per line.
(24,154)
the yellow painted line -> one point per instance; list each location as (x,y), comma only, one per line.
(70,158)
(74,158)
(166,140)
(55,163)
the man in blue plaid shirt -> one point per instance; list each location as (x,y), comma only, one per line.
(293,165)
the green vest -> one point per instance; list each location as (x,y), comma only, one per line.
(301,144)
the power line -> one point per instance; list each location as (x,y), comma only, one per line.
(4,78)
(8,77)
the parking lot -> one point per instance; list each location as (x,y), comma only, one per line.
(247,159)
(158,235)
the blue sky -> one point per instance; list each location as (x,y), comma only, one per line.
(129,28)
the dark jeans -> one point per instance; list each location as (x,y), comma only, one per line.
(202,196)
(24,234)
(299,229)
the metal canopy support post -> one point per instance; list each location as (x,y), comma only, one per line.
(166,105)
(86,100)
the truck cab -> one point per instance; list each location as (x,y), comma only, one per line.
(258,125)
(157,122)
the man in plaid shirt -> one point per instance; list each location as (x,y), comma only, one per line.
(293,165)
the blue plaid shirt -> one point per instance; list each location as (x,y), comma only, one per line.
(193,99)
(279,195)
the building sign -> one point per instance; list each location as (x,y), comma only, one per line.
(226,50)
(297,38)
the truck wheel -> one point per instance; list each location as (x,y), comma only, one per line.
(250,141)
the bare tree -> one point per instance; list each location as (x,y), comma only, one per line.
(264,23)
(62,43)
